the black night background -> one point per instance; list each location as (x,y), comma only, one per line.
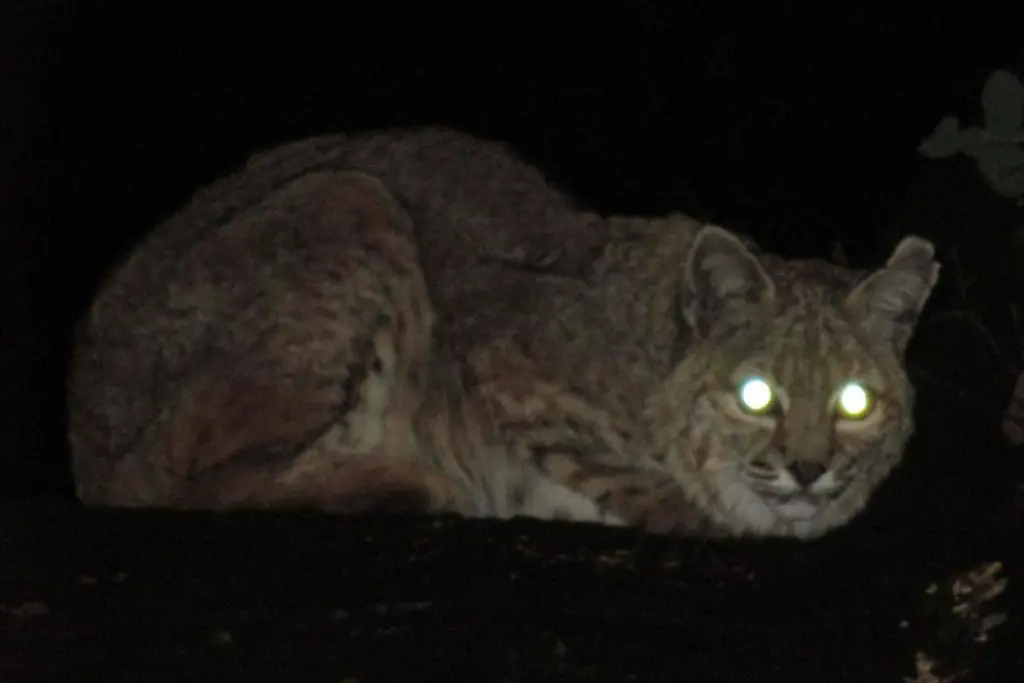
(797,123)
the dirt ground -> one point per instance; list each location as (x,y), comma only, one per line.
(130,596)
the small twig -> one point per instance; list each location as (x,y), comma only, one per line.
(959,393)
(961,280)
(839,254)
(1015,317)
(971,318)
(965,312)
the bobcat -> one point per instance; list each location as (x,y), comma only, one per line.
(417,321)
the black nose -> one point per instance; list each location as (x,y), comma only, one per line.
(806,472)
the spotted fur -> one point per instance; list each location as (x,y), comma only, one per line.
(416,321)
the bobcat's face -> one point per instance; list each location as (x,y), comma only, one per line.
(793,426)
(791,405)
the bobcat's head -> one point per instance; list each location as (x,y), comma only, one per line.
(791,404)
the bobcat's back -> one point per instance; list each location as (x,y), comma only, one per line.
(259,251)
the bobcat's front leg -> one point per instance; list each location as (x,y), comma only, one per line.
(578,461)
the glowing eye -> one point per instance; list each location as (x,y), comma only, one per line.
(756,395)
(854,401)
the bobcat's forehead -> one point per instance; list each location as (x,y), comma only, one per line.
(811,340)
(809,281)
(803,342)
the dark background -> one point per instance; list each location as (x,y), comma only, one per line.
(795,122)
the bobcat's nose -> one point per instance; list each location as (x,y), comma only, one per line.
(806,472)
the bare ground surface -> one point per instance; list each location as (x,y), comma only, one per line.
(109,596)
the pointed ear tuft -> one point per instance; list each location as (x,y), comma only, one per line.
(890,300)
(725,281)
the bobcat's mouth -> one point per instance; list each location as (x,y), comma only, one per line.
(790,499)
(802,505)
(776,506)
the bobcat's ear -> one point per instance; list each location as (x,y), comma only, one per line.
(890,299)
(726,281)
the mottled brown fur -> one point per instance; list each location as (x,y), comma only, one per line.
(415,320)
